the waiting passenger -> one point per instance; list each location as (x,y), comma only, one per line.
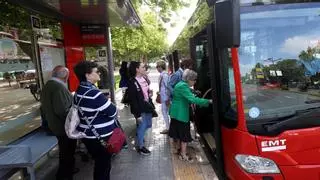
(141,108)
(124,78)
(164,94)
(100,111)
(179,112)
(56,101)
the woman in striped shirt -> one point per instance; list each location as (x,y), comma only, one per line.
(98,109)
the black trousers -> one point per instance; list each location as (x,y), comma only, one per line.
(67,149)
(102,159)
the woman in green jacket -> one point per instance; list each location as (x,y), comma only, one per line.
(179,111)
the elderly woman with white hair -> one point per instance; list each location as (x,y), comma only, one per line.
(179,112)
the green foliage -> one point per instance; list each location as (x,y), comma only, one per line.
(290,70)
(15,17)
(308,55)
(165,7)
(149,40)
(202,16)
(117,81)
(91,53)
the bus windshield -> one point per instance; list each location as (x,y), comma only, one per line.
(280,59)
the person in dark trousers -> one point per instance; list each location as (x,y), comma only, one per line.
(124,78)
(101,113)
(56,101)
(140,105)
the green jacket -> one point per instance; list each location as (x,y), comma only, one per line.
(56,101)
(182,98)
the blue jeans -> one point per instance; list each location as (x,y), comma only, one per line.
(143,126)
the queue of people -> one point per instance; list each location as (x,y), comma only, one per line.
(98,117)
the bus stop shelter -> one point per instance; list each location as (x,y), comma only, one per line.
(83,23)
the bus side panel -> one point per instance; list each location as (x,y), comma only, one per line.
(292,147)
(236,142)
(308,172)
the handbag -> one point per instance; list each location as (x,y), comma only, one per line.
(73,120)
(154,112)
(115,142)
(158,98)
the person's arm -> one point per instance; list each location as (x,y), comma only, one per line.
(106,106)
(165,83)
(132,93)
(186,92)
(172,82)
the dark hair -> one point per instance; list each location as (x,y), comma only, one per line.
(123,71)
(82,68)
(186,63)
(124,65)
(133,68)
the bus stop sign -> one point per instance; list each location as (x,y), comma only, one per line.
(93,34)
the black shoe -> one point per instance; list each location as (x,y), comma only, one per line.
(144,151)
(75,170)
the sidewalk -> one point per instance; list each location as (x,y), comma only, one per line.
(162,164)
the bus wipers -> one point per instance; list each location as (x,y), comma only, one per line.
(301,119)
(312,101)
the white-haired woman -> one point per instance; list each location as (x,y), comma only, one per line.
(179,112)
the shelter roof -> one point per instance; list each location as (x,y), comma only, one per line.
(118,12)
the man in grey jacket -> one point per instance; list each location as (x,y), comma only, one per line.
(56,101)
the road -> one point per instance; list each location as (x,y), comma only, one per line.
(274,99)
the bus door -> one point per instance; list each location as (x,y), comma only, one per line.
(213,68)
(216,81)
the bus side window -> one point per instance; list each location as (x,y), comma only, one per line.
(229,102)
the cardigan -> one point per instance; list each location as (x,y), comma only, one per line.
(56,101)
(137,102)
(182,98)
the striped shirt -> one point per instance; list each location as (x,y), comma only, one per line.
(92,102)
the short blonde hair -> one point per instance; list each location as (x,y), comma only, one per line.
(189,75)
(161,64)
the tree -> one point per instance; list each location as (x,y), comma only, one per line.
(308,55)
(147,41)
(15,17)
(291,71)
(202,16)
(164,7)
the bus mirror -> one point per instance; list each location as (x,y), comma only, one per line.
(227,23)
(211,2)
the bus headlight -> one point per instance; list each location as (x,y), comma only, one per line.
(255,164)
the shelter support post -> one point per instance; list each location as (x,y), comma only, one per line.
(36,59)
(110,64)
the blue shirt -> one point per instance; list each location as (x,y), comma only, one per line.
(174,79)
(92,102)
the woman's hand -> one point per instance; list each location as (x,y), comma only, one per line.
(150,93)
(210,101)
(168,103)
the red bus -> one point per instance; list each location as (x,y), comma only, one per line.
(256,132)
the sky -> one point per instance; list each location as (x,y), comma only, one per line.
(180,19)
